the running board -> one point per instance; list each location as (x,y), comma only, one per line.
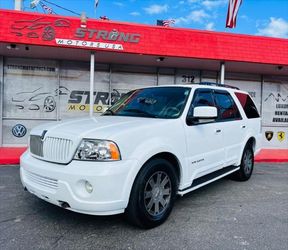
(206,179)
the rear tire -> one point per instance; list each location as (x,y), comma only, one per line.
(153,194)
(246,166)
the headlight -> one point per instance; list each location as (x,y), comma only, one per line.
(97,150)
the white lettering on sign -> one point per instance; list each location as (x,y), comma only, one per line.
(89,44)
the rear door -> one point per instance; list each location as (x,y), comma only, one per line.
(232,124)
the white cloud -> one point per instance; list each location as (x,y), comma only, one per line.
(209,26)
(118,4)
(197,16)
(211,4)
(134,13)
(277,27)
(156,9)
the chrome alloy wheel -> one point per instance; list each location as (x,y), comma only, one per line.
(247,162)
(157,193)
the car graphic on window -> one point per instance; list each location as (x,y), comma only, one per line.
(38,99)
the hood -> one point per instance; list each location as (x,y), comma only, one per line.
(102,127)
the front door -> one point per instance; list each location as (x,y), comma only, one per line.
(205,148)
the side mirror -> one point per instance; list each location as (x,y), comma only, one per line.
(202,114)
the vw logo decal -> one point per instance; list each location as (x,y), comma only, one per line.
(19,130)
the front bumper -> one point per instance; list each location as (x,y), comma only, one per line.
(57,183)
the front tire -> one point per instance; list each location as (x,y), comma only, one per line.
(153,194)
(246,166)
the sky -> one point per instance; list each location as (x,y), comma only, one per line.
(255,17)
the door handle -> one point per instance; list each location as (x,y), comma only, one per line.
(218,131)
(243,126)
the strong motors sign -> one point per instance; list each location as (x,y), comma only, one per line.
(79,100)
(67,32)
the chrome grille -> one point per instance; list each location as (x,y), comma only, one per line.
(57,149)
(41,180)
(52,148)
(36,145)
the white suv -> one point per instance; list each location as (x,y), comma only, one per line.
(151,145)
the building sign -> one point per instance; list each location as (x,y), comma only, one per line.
(88,44)
(275,104)
(79,100)
(41,28)
(114,35)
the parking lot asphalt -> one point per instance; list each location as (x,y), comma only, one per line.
(223,215)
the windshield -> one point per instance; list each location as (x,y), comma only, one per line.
(160,102)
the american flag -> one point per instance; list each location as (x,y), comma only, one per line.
(47,8)
(165,23)
(104,18)
(233,8)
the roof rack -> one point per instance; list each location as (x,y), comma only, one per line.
(216,84)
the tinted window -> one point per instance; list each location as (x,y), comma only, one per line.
(248,105)
(226,106)
(160,102)
(202,97)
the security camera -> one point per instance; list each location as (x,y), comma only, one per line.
(160,59)
(279,67)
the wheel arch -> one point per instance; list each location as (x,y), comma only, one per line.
(172,158)
(251,140)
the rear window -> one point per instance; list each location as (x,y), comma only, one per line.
(226,106)
(248,105)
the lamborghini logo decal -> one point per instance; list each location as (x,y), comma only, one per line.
(269,135)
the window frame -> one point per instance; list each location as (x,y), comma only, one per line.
(225,92)
(213,92)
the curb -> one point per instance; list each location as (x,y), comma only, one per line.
(11,155)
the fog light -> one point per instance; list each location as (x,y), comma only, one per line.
(88,186)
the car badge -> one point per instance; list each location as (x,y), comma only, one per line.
(269,135)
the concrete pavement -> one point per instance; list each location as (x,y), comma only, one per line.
(223,215)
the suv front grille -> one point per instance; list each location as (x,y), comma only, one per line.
(36,145)
(51,149)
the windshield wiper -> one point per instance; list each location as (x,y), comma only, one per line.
(139,111)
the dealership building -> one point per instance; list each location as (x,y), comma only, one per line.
(47,69)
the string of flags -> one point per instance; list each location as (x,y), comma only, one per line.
(233,8)
(34,3)
(46,8)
